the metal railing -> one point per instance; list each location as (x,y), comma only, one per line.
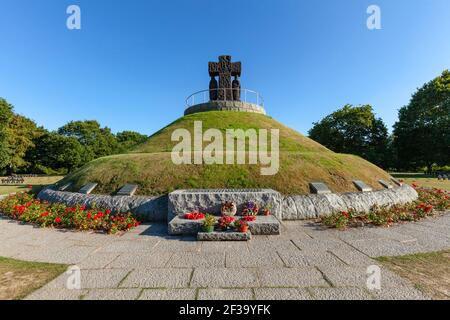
(247,96)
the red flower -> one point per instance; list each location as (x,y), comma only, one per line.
(57,220)
(248,218)
(45,214)
(194,216)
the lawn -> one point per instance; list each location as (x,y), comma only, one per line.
(36,182)
(430,272)
(423,180)
(20,278)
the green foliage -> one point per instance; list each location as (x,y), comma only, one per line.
(97,141)
(57,152)
(128,140)
(354,130)
(6,114)
(422,133)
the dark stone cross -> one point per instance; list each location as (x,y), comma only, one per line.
(226,89)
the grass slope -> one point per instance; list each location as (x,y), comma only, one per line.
(302,160)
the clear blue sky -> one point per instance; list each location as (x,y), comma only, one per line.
(134,62)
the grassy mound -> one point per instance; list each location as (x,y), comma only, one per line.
(302,160)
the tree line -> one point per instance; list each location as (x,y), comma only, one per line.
(28,148)
(420,139)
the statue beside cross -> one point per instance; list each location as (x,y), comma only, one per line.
(225,89)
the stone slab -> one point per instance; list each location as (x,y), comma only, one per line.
(181,202)
(319,188)
(385,184)
(398,183)
(265,225)
(64,187)
(224,236)
(361,186)
(88,188)
(127,190)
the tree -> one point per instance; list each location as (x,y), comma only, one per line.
(355,130)
(422,132)
(97,141)
(54,152)
(6,113)
(129,139)
(21,133)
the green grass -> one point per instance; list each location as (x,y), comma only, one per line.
(20,278)
(423,180)
(302,160)
(430,272)
(36,182)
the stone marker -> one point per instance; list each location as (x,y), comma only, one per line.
(65,186)
(319,188)
(362,186)
(385,184)
(224,236)
(210,200)
(440,177)
(88,188)
(127,190)
(396,182)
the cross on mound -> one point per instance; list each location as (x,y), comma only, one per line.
(225,89)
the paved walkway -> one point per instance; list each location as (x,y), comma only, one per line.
(305,262)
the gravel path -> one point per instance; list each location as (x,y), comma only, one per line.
(305,262)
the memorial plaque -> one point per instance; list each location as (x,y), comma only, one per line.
(88,188)
(361,186)
(127,190)
(385,184)
(319,188)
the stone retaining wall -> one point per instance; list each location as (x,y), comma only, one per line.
(149,208)
(291,207)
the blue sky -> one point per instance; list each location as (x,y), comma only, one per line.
(134,62)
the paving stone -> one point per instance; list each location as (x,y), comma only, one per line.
(157,278)
(220,246)
(92,279)
(168,294)
(353,257)
(178,245)
(291,277)
(253,259)
(152,259)
(348,293)
(282,294)
(309,258)
(56,294)
(97,260)
(224,278)
(399,293)
(351,276)
(196,260)
(224,236)
(129,246)
(112,294)
(225,294)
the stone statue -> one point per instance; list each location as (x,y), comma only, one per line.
(225,69)
(213,89)
(236,89)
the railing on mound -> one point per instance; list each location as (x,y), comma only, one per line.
(203,96)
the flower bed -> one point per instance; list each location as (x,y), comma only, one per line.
(24,207)
(429,201)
